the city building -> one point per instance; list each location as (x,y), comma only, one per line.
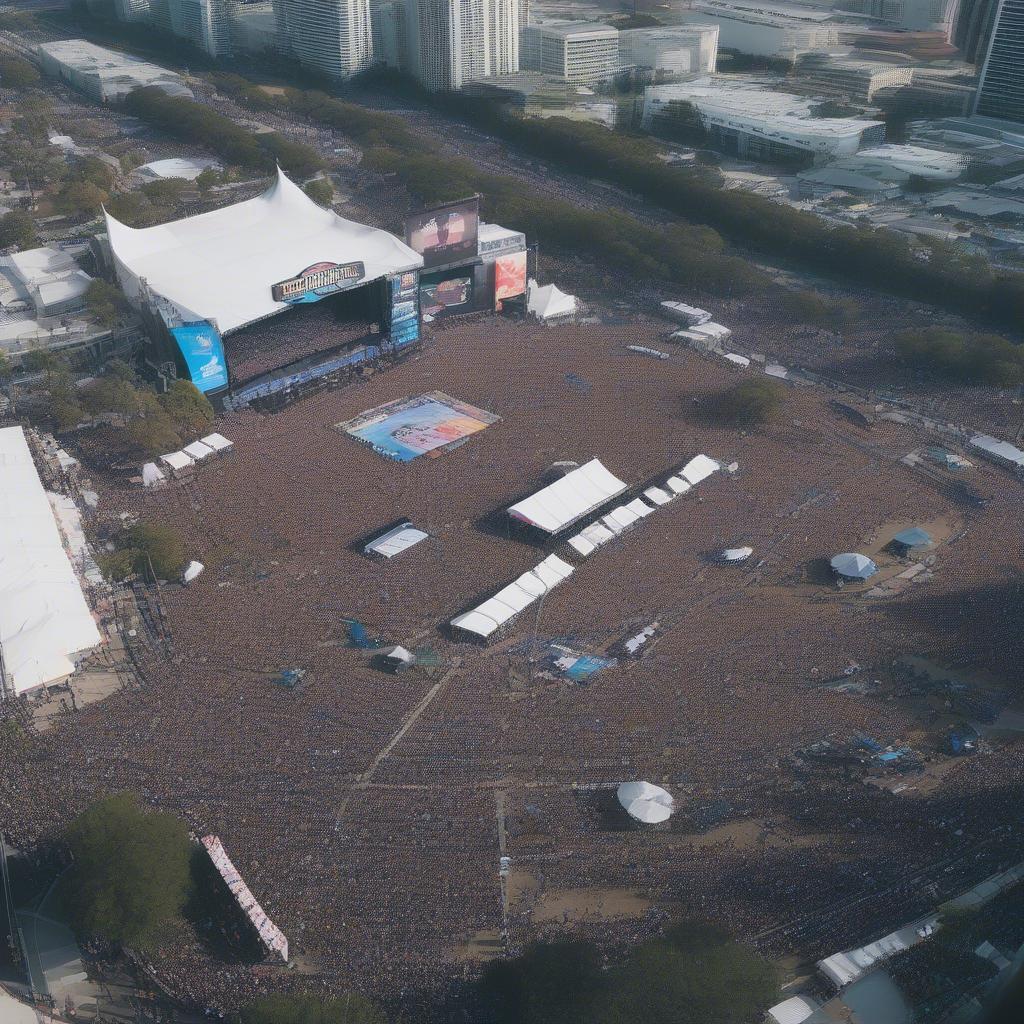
(131,10)
(767,30)
(673,50)
(757,123)
(329,36)
(253,27)
(44,282)
(911,15)
(539,95)
(943,91)
(103,74)
(575,51)
(972,29)
(836,74)
(450,42)
(1001,90)
(204,23)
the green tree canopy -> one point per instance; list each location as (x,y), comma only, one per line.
(304,1009)
(694,975)
(321,191)
(550,983)
(17,228)
(160,546)
(187,406)
(130,872)
(16,72)
(105,303)
(965,358)
(749,403)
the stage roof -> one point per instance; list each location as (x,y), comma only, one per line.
(221,266)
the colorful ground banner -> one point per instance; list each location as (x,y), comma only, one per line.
(412,427)
(510,276)
(203,352)
(318,282)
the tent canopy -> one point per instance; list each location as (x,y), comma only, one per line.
(915,537)
(560,504)
(221,266)
(854,566)
(736,554)
(645,802)
(549,301)
(395,541)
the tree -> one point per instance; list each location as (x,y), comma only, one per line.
(303,1009)
(966,358)
(187,407)
(749,403)
(321,191)
(5,365)
(550,983)
(206,179)
(159,546)
(694,975)
(81,197)
(16,73)
(18,229)
(131,870)
(104,302)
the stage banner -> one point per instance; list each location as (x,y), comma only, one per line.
(510,276)
(445,234)
(318,282)
(405,309)
(203,352)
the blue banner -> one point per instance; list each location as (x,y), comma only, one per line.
(405,309)
(203,350)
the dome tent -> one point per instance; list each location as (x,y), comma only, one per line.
(853,566)
(645,802)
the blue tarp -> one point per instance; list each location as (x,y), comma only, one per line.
(915,537)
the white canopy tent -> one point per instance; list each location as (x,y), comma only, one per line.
(395,541)
(736,554)
(218,442)
(221,266)
(550,302)
(197,451)
(854,566)
(560,504)
(193,571)
(177,460)
(152,475)
(645,802)
(699,468)
(45,620)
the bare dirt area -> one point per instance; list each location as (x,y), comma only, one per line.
(363,808)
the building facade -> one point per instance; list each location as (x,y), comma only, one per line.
(1001,89)
(329,36)
(675,50)
(575,52)
(204,23)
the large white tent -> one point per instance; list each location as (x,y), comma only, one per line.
(853,566)
(221,266)
(550,302)
(44,618)
(565,501)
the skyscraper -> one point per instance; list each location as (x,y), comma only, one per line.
(1001,89)
(453,41)
(204,23)
(973,28)
(330,36)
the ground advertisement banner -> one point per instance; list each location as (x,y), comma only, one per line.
(510,276)
(203,351)
(446,234)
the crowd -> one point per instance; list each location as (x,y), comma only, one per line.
(382,883)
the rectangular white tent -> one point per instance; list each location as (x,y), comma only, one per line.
(177,460)
(45,620)
(562,503)
(395,541)
(699,468)
(197,451)
(218,442)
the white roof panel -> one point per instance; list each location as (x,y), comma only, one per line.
(177,460)
(581,545)
(197,450)
(699,468)
(221,265)
(658,496)
(597,534)
(218,442)
(561,503)
(639,508)
(677,485)
(396,541)
(476,622)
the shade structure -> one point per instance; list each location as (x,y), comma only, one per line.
(854,566)
(736,554)
(395,541)
(177,460)
(45,621)
(197,451)
(194,569)
(152,475)
(645,802)
(218,442)
(699,468)
(550,302)
(221,266)
(562,503)
(915,537)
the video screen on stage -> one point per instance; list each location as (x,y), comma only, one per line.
(445,234)
(510,276)
(203,351)
(453,295)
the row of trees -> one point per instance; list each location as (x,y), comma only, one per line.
(964,358)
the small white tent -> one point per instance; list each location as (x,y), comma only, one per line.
(152,475)
(736,554)
(645,802)
(854,566)
(550,302)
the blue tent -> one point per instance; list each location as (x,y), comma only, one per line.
(915,537)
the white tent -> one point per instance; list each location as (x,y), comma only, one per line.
(677,485)
(645,802)
(736,554)
(699,468)
(395,541)
(794,1010)
(854,566)
(658,496)
(177,460)
(218,442)
(734,357)
(193,570)
(197,451)
(549,302)
(560,504)
(44,618)
(221,266)
(152,475)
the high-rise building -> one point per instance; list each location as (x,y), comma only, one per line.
(329,36)
(131,10)
(670,50)
(973,28)
(453,41)
(204,23)
(1001,89)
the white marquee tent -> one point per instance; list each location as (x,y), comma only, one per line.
(645,802)
(854,566)
(221,266)
(550,302)
(44,618)
(560,504)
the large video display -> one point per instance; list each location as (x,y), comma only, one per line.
(445,234)
(203,351)
(405,309)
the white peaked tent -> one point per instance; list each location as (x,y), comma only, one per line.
(549,302)
(152,475)
(565,501)
(193,570)
(854,566)
(222,265)
(645,802)
(736,554)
